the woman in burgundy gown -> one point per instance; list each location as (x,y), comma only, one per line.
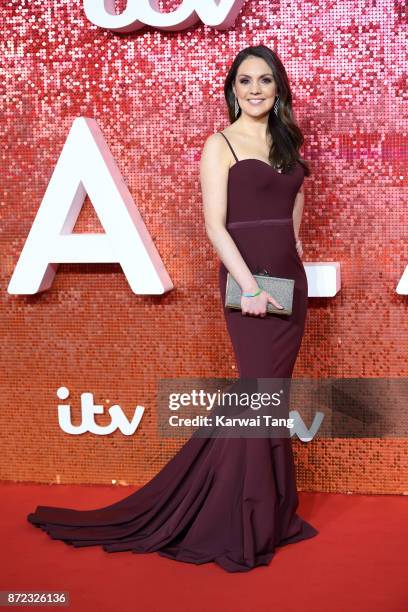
(221,499)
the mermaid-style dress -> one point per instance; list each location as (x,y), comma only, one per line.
(227,500)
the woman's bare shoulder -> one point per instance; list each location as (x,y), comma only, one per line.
(215,159)
(213,139)
(214,147)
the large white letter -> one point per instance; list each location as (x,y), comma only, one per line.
(219,14)
(402,287)
(86,166)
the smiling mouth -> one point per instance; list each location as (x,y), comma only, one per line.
(256,100)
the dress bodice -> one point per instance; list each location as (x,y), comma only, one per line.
(257,191)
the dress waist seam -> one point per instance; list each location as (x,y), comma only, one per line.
(256,222)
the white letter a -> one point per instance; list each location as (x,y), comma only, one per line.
(86,166)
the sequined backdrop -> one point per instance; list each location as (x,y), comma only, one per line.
(156,96)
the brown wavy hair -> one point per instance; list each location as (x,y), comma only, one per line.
(287,137)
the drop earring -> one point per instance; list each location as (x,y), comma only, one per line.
(276,106)
(237,107)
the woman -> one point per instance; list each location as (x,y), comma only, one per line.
(230,500)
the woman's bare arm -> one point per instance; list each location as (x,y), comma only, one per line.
(297,215)
(214,166)
(298,210)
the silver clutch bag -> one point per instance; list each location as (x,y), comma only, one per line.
(279,288)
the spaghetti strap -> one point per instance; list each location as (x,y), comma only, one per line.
(229,144)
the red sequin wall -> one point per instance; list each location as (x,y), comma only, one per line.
(156,96)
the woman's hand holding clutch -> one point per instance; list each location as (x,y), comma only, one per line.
(257,305)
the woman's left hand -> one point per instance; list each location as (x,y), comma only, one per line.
(299,247)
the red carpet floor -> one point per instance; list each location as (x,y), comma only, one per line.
(358,562)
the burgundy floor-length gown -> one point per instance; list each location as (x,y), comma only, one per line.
(220,499)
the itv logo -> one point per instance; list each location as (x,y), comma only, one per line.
(88,411)
(219,14)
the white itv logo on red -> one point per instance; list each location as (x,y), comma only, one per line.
(219,14)
(88,411)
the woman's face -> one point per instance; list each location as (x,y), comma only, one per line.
(255,86)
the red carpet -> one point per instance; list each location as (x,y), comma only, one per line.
(358,562)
